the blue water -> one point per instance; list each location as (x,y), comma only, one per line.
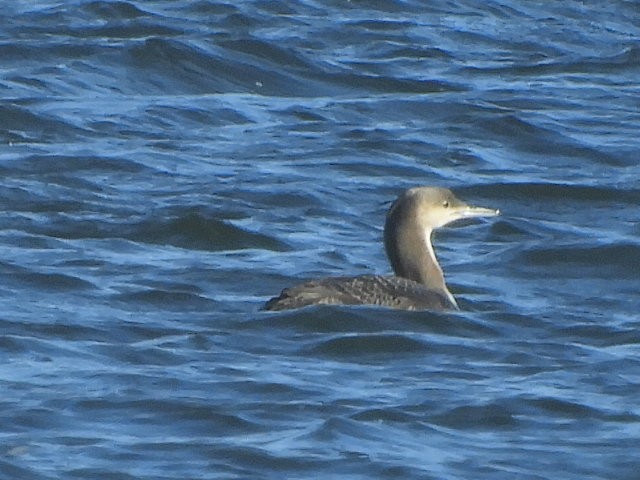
(166,167)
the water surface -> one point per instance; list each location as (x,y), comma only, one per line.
(166,167)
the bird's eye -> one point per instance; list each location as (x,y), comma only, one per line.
(445,204)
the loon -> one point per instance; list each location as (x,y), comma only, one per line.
(418,283)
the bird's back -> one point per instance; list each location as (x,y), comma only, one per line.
(388,291)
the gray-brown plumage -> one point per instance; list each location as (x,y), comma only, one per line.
(418,283)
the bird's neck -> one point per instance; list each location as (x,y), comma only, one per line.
(412,256)
(428,270)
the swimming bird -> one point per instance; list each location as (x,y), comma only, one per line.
(418,283)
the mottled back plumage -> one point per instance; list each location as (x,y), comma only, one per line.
(389,291)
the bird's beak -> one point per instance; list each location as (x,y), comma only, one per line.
(472,212)
(464,212)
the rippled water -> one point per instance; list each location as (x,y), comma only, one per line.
(166,167)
